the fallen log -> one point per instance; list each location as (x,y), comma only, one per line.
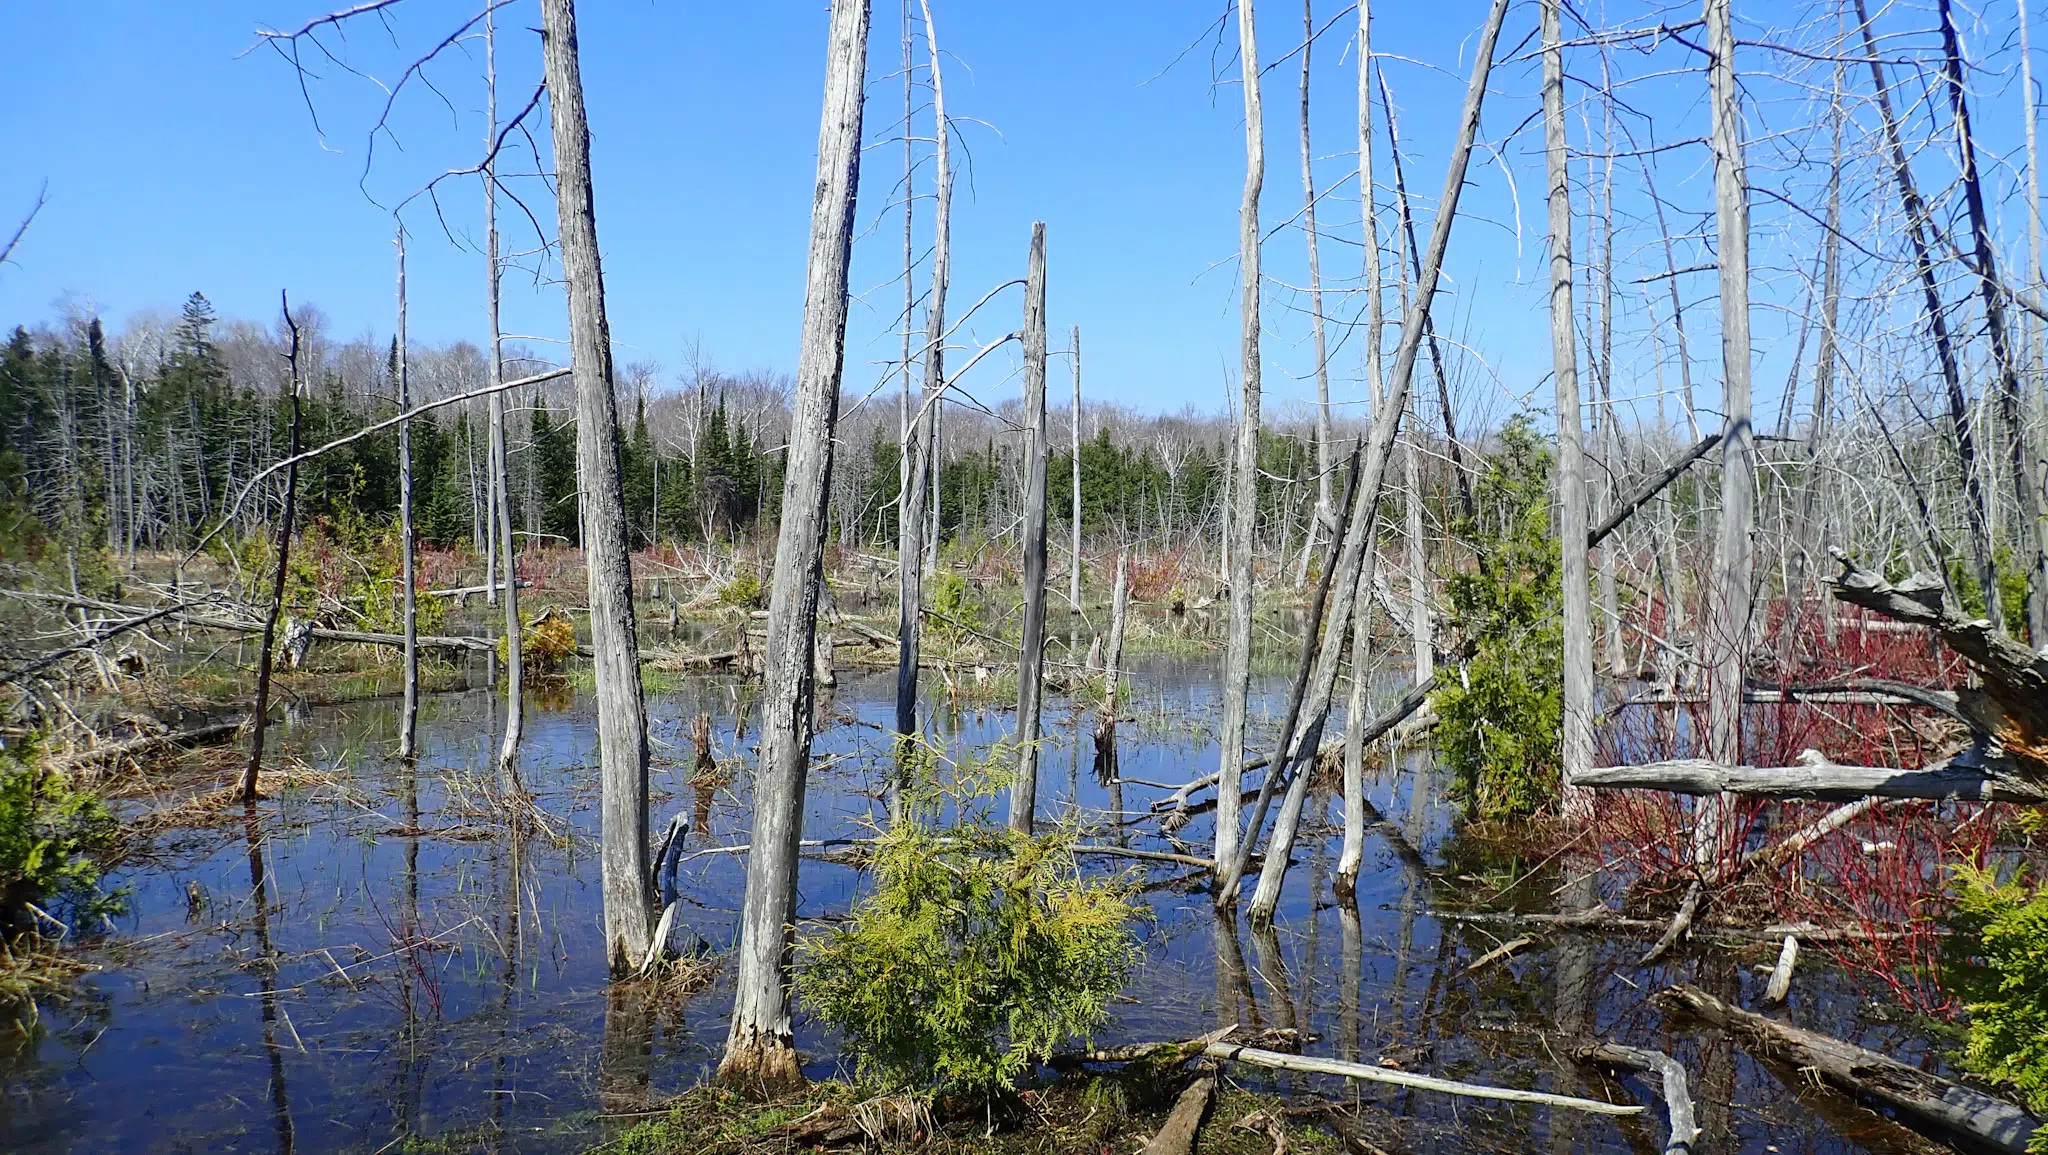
(1781,974)
(1968,776)
(1928,1099)
(1677,1100)
(1177,1135)
(1604,920)
(1238,1053)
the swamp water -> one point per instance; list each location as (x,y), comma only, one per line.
(372,964)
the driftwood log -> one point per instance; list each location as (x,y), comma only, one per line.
(1677,1100)
(1971,775)
(1238,1053)
(147,745)
(1930,1100)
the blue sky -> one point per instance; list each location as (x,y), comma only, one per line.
(177,160)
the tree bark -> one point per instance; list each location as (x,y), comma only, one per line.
(1241,516)
(621,710)
(1728,637)
(1031,657)
(1074,438)
(760,1051)
(1326,514)
(1571,459)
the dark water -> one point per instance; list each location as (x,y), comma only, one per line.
(342,984)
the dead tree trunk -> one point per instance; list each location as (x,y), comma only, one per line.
(1112,662)
(1074,445)
(501,474)
(1241,516)
(1352,855)
(1976,506)
(913,551)
(1300,740)
(2004,354)
(260,718)
(1030,659)
(1326,515)
(760,1051)
(615,658)
(1571,458)
(1729,626)
(409,712)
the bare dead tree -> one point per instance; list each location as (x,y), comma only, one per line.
(409,711)
(760,1050)
(503,550)
(615,657)
(260,717)
(1031,653)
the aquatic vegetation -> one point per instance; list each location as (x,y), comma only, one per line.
(1502,709)
(979,950)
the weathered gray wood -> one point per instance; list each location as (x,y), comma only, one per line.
(1571,456)
(1649,488)
(1074,449)
(615,661)
(1726,643)
(1961,777)
(1781,974)
(760,1050)
(1241,489)
(1677,1100)
(912,510)
(1351,855)
(1031,654)
(1929,1099)
(1326,513)
(1283,1061)
(1354,558)
(501,476)
(409,710)
(1177,1135)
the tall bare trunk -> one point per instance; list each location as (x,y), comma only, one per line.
(2004,354)
(1243,507)
(1352,855)
(1571,457)
(1977,503)
(2038,346)
(760,1051)
(409,712)
(1024,791)
(501,474)
(1305,731)
(1074,444)
(615,657)
(260,719)
(1728,631)
(1325,432)
(913,548)
(1810,509)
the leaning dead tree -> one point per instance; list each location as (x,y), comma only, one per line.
(615,657)
(760,1050)
(504,555)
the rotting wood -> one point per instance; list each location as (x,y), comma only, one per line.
(1927,1098)
(1177,1135)
(1968,776)
(1781,973)
(146,745)
(1237,1053)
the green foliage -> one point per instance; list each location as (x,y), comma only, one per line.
(2012,589)
(744,591)
(955,612)
(1502,710)
(1998,962)
(49,832)
(979,950)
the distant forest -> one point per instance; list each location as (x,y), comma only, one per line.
(141,440)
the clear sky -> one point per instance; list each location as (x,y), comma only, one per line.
(179,158)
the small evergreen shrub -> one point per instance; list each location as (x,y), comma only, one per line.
(1998,963)
(954,611)
(744,591)
(49,833)
(979,950)
(1502,710)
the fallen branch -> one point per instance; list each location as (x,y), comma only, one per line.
(1604,920)
(1781,974)
(1237,1053)
(146,745)
(1968,776)
(1929,1099)
(1650,487)
(1677,1100)
(1177,1135)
